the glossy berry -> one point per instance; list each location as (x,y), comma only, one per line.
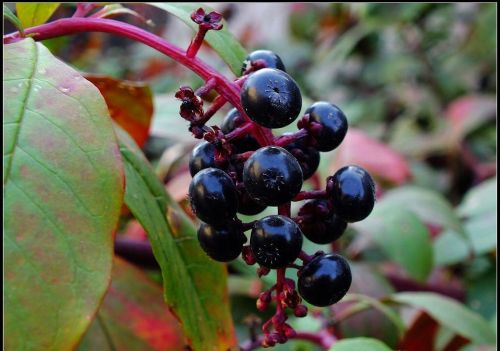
(270,59)
(223,243)
(272,176)
(353,193)
(325,280)
(333,124)
(233,120)
(247,205)
(307,156)
(271,98)
(202,156)
(275,241)
(213,196)
(318,222)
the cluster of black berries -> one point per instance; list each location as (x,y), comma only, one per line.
(249,178)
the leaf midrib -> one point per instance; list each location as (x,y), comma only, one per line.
(23,113)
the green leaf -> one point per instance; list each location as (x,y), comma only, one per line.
(430,206)
(402,236)
(359,344)
(451,314)
(194,285)
(479,199)
(133,316)
(63,190)
(32,14)
(7,13)
(222,41)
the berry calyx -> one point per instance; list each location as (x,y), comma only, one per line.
(353,193)
(325,280)
(332,125)
(223,243)
(269,58)
(271,98)
(213,196)
(272,176)
(276,241)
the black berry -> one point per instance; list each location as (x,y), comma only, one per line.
(202,156)
(271,98)
(233,120)
(272,176)
(325,280)
(213,196)
(318,222)
(222,244)
(275,241)
(333,125)
(269,58)
(353,193)
(247,205)
(307,156)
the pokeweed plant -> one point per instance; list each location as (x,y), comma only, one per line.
(68,169)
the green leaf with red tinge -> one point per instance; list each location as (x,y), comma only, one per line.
(451,314)
(360,344)
(222,41)
(194,285)
(32,14)
(63,189)
(130,104)
(133,316)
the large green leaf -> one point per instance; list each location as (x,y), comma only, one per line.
(430,206)
(480,199)
(222,41)
(194,285)
(133,316)
(63,189)
(451,314)
(32,14)
(359,344)
(402,236)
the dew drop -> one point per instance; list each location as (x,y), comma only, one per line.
(42,71)
(65,90)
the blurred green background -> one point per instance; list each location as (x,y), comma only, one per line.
(418,85)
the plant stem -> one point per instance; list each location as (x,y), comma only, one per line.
(67,26)
(195,44)
(313,194)
(288,139)
(323,339)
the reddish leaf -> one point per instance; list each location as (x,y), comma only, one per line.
(130,104)
(133,315)
(380,160)
(421,334)
(456,343)
(469,112)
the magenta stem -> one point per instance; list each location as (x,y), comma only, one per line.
(67,26)
(288,139)
(313,194)
(305,257)
(242,157)
(195,44)
(219,101)
(239,131)
(323,339)
(205,89)
(285,209)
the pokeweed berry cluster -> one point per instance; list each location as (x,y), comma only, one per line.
(242,168)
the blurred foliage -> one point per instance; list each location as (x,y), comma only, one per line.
(419,79)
